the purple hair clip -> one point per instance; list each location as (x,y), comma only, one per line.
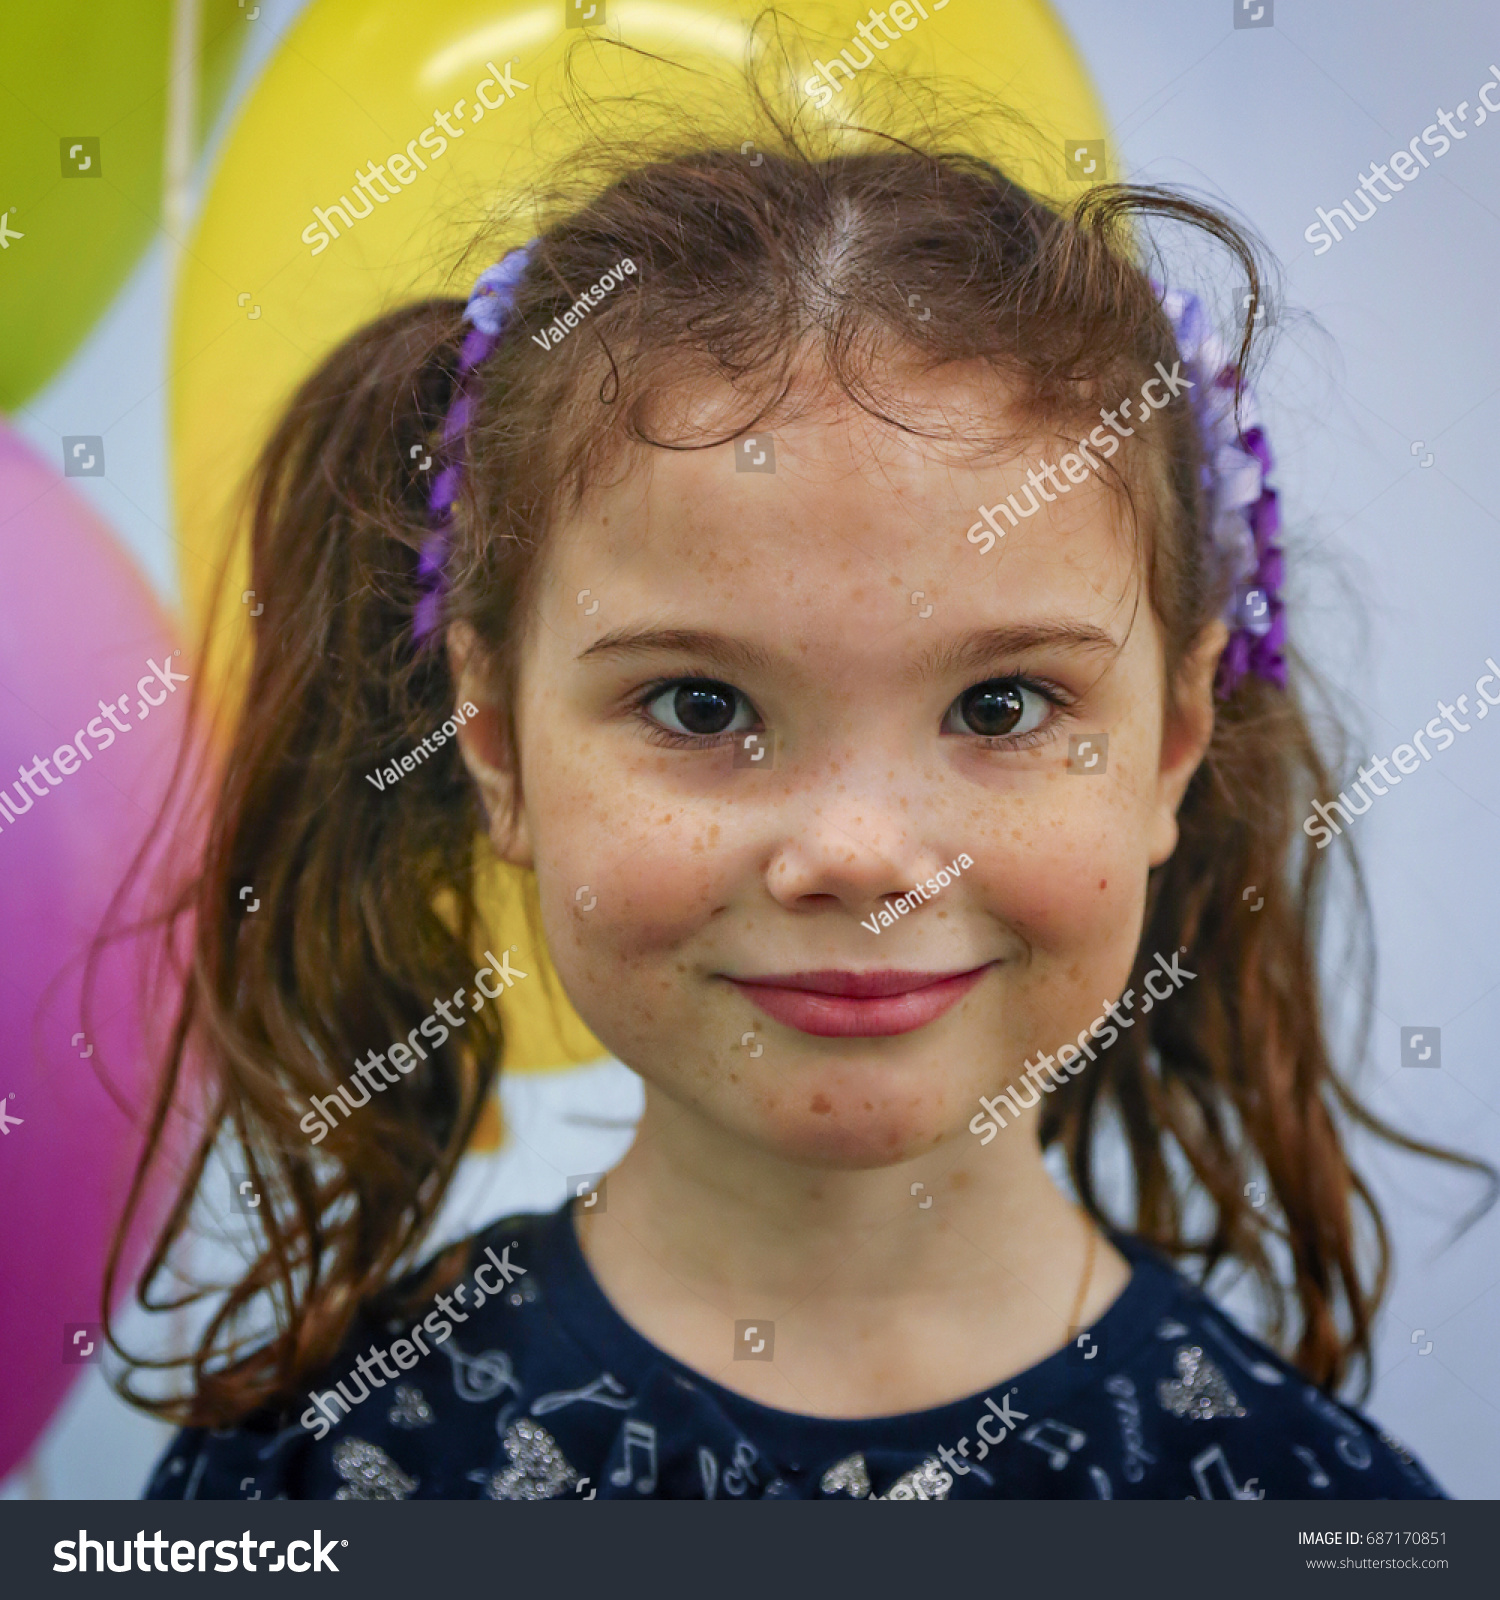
(1244,518)
(489,305)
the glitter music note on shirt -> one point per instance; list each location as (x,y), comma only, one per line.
(605,1390)
(639,1436)
(481,1377)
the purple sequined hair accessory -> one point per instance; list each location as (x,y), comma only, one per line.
(489,306)
(1243,515)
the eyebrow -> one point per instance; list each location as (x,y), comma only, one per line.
(972,651)
(977,650)
(719,648)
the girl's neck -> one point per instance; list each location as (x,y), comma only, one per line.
(882,1303)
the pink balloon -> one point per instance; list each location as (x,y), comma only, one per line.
(78,625)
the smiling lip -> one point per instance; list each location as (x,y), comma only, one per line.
(833,1004)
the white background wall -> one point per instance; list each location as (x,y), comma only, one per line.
(1395,574)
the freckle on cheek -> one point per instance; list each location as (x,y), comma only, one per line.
(820,1105)
(1104,883)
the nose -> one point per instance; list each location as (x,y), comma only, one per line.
(847,854)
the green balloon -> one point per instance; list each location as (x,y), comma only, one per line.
(84,91)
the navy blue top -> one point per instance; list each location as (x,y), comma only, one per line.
(524,1383)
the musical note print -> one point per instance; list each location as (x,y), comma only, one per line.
(1214,1457)
(481,1377)
(1354,1450)
(605,1390)
(1316,1476)
(742,1474)
(1102,1483)
(708,1471)
(638,1436)
(1137,1457)
(1056,1440)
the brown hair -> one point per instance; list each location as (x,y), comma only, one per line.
(746,270)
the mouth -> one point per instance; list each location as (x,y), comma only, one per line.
(858,1005)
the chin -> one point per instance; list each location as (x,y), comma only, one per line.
(850,1138)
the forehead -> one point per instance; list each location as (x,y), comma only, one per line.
(826,516)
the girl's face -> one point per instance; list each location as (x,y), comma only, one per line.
(760,698)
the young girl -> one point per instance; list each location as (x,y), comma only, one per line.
(924,789)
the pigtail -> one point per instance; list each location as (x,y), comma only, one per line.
(363,911)
(1234,1081)
(1236,1074)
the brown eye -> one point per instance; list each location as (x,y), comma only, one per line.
(996,708)
(700,706)
(991,709)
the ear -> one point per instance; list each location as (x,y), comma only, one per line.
(485,746)
(1187,727)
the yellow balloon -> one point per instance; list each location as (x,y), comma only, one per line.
(461,105)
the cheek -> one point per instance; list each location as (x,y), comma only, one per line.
(1065,865)
(623,865)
